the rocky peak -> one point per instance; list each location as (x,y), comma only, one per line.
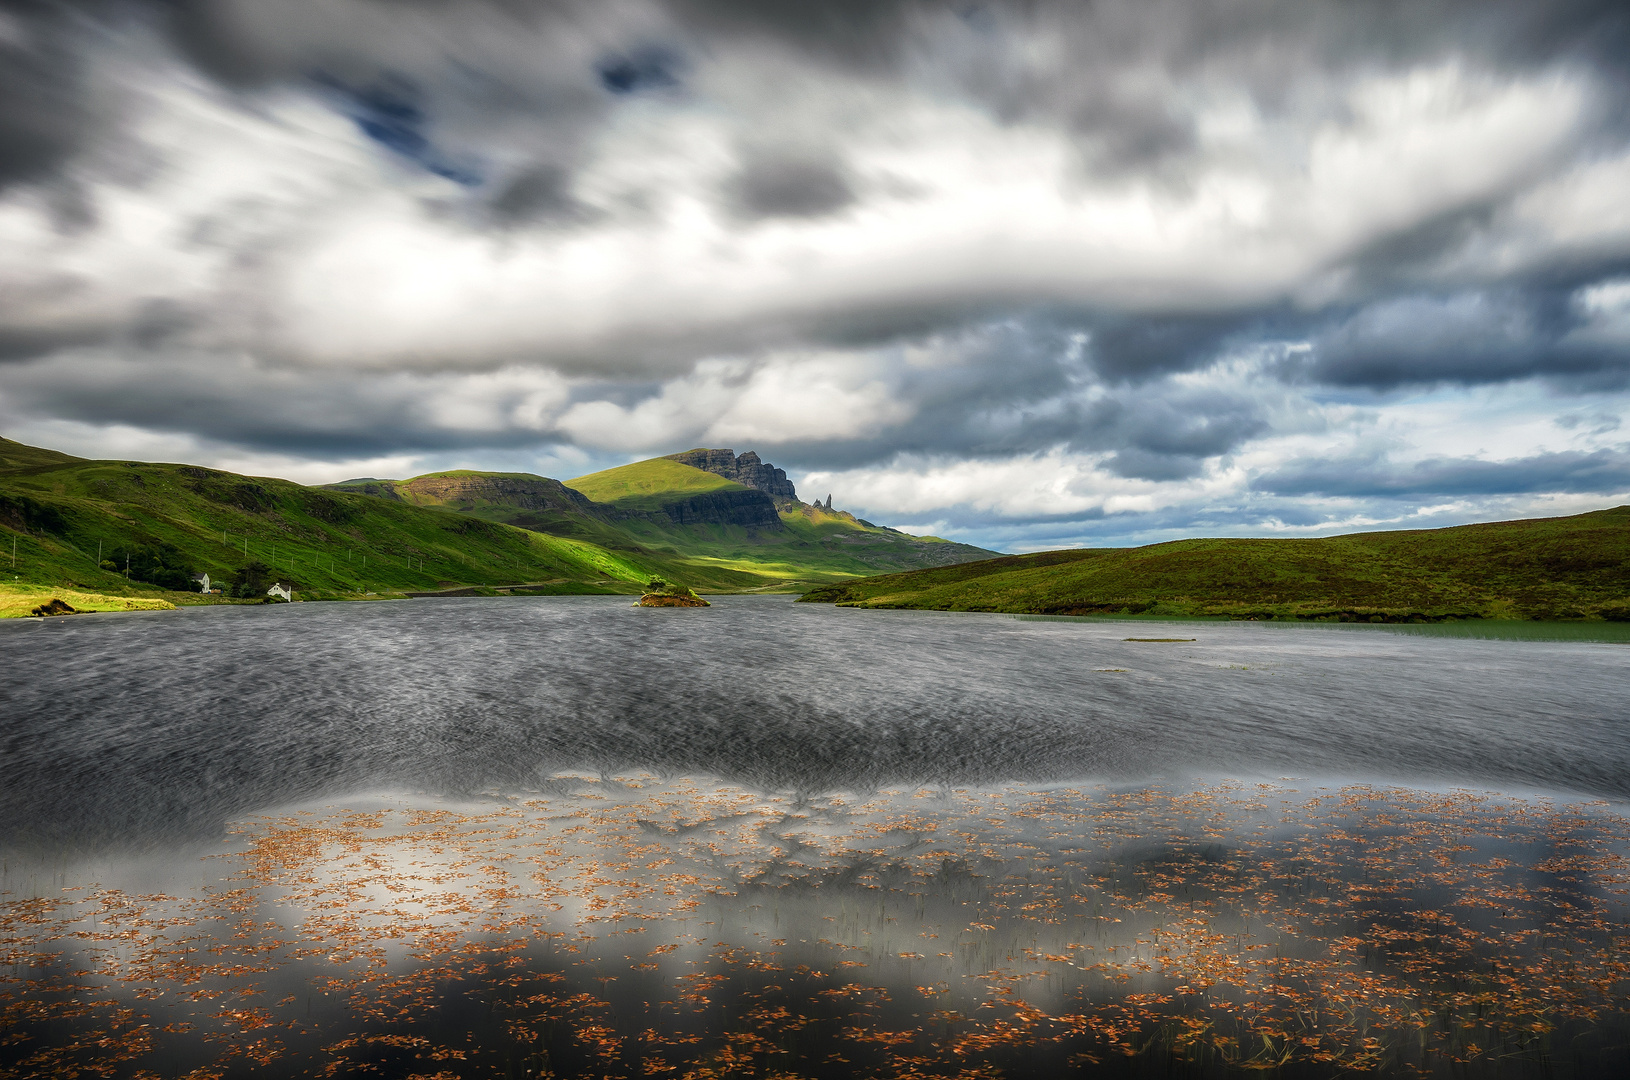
(747,470)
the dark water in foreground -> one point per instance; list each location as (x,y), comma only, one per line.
(565,836)
(165,724)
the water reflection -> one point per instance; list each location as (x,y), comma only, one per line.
(159,727)
(631,926)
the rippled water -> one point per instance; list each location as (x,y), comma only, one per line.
(567,836)
(166,724)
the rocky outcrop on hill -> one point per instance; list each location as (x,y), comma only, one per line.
(754,509)
(746,469)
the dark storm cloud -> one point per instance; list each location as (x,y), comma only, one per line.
(771,185)
(212,37)
(1259,38)
(1168,436)
(1469,337)
(1595,472)
(306,414)
(27,343)
(1132,347)
(538,193)
(46,114)
(864,34)
(1138,463)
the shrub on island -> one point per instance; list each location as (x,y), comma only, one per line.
(663,593)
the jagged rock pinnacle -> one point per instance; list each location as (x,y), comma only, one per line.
(746,469)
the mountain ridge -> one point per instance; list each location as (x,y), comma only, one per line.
(137,529)
(668,506)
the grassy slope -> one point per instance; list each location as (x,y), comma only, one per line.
(816,546)
(570,524)
(648,485)
(15,455)
(19,598)
(329,542)
(660,554)
(1572,567)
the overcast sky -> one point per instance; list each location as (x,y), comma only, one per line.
(1025,274)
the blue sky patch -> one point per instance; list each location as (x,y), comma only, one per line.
(651,68)
(389,113)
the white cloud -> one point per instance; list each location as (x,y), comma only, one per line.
(810,397)
(308,242)
(250,271)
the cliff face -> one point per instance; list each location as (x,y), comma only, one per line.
(746,469)
(753,509)
(466,492)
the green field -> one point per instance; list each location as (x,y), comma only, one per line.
(1549,568)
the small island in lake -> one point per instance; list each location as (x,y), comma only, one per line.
(660,593)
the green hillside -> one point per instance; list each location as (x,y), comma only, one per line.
(707,520)
(524,500)
(703,529)
(1549,568)
(81,523)
(15,456)
(813,545)
(648,485)
(129,529)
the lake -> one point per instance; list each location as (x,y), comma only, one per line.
(570,836)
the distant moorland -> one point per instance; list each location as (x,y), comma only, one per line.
(1547,568)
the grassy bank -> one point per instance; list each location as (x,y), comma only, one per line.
(1550,568)
(18,600)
